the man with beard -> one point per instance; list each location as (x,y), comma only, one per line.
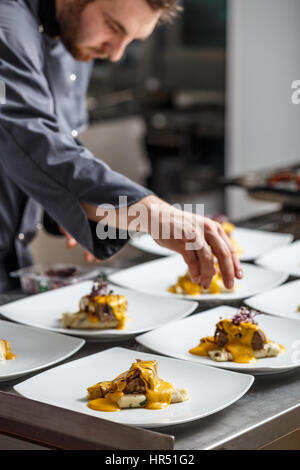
(46,49)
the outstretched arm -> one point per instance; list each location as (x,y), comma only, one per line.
(198,239)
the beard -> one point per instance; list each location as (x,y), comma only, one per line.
(69,22)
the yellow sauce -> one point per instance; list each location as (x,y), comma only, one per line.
(117,303)
(228,228)
(206,345)
(160,397)
(239,342)
(105,395)
(8,354)
(186,286)
(241,353)
(103,404)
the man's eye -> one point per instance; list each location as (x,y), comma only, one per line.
(111,26)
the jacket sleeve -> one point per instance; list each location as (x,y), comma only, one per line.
(47,164)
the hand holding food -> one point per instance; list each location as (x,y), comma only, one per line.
(186,286)
(198,239)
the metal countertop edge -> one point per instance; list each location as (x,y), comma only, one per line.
(243,434)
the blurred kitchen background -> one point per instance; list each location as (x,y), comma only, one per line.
(205,98)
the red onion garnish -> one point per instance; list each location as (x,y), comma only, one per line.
(100,288)
(244,315)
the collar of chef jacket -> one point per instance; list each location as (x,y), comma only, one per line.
(47,14)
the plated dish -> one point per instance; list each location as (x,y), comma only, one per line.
(138,387)
(144,311)
(33,349)
(238,339)
(100,309)
(186,286)
(65,386)
(156,277)
(179,338)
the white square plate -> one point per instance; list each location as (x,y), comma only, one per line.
(283,301)
(65,386)
(285,259)
(157,276)
(145,311)
(177,339)
(254,243)
(34,349)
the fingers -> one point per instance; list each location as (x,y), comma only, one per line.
(71,242)
(207,266)
(193,265)
(236,261)
(224,256)
(89,258)
(203,240)
(200,263)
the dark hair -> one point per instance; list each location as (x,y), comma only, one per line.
(170,8)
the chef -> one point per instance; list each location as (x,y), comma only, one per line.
(46,53)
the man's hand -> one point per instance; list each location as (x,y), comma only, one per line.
(210,242)
(198,239)
(71,243)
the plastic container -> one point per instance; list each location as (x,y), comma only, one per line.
(43,277)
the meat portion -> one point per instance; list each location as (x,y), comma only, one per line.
(135,384)
(221,337)
(104,312)
(258,340)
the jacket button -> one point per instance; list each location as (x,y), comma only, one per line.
(41,28)
(21,236)
(73,77)
(74,133)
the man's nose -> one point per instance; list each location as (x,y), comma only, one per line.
(117,49)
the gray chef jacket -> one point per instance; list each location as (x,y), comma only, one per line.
(42,164)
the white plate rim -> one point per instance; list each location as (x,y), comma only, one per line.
(177,422)
(250,301)
(80,343)
(143,340)
(105,335)
(230,296)
(260,261)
